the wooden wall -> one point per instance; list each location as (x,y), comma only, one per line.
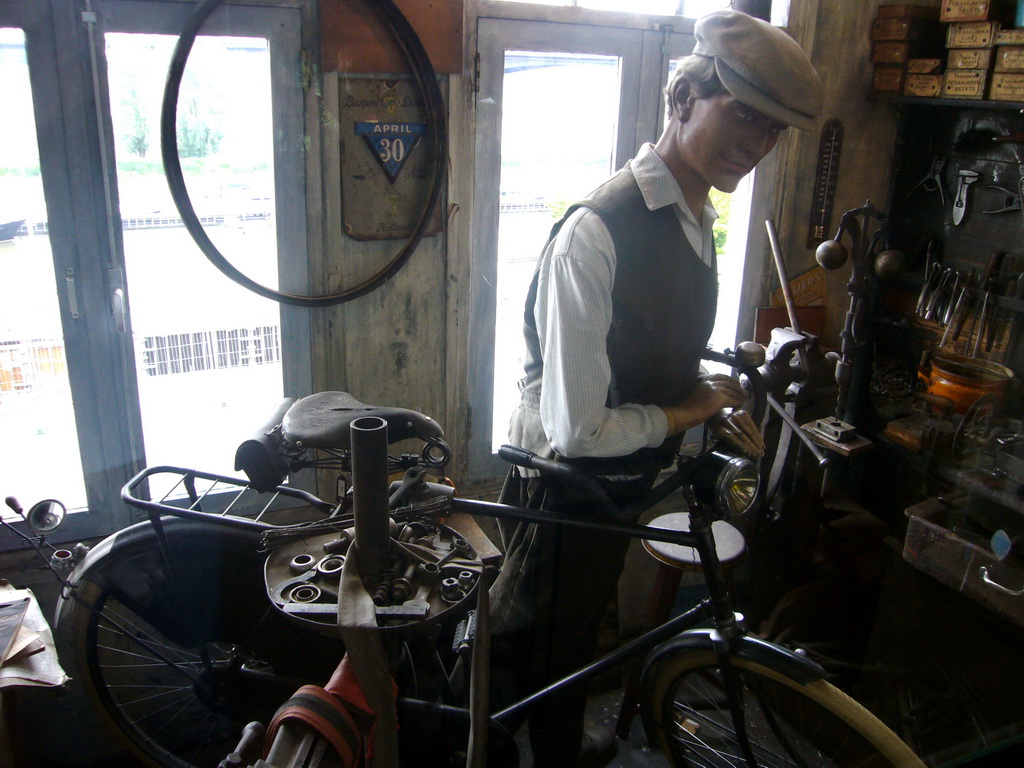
(837,38)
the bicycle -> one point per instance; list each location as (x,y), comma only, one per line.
(179,658)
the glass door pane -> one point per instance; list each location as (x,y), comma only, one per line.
(552,154)
(39,450)
(730,243)
(207,351)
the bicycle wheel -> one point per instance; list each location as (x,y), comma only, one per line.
(788,724)
(178,665)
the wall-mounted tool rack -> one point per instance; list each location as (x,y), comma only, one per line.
(941,144)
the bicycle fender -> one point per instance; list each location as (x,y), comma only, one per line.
(794,665)
(102,564)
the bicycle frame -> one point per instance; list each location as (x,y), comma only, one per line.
(727,638)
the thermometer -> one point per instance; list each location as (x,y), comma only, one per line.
(825,182)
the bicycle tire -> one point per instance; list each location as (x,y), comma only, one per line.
(822,726)
(415,54)
(141,661)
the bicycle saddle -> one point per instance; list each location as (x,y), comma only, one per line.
(322,420)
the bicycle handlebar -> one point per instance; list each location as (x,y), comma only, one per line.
(748,358)
(571,475)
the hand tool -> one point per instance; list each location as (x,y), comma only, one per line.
(948,313)
(1017,324)
(984,138)
(931,278)
(932,181)
(959,312)
(987,278)
(940,288)
(1011,201)
(964,180)
(1000,286)
(1020,184)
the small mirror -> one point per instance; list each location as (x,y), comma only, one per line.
(46,515)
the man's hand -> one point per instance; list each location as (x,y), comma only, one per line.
(715,392)
(737,429)
(708,398)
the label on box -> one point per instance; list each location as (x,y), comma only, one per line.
(969,58)
(971,34)
(888,79)
(1010,37)
(1010,58)
(964,83)
(922,85)
(907,12)
(889,52)
(964,10)
(924,66)
(890,29)
(1007,86)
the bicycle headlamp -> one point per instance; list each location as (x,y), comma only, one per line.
(728,483)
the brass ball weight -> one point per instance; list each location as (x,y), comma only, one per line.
(890,264)
(831,254)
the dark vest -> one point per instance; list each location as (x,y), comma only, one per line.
(664,300)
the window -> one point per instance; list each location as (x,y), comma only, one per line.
(692,9)
(37,417)
(533,78)
(120,345)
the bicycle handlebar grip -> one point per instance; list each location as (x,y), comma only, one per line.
(748,355)
(518,456)
(530,460)
(565,473)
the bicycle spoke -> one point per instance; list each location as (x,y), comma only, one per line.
(150,698)
(186,736)
(789,725)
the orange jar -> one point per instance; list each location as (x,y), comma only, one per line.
(964,379)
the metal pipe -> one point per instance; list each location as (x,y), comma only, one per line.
(822,459)
(780,266)
(369,436)
(632,530)
(688,620)
(480,680)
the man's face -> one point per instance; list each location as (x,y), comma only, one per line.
(723,139)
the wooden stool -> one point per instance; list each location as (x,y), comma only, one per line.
(673,559)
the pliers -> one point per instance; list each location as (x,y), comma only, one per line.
(1011,200)
(932,182)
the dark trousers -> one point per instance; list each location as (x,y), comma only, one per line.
(547,604)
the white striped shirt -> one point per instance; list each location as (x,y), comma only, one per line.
(573,313)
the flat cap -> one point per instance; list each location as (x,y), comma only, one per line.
(762,66)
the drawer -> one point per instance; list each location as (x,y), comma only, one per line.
(936,545)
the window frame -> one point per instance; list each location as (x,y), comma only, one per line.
(76,151)
(646,49)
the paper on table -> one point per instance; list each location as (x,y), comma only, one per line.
(25,644)
(39,669)
(11,615)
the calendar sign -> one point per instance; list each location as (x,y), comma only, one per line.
(386,161)
(392,143)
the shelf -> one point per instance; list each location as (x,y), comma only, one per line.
(1016,106)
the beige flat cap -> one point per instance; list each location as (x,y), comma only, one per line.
(762,66)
